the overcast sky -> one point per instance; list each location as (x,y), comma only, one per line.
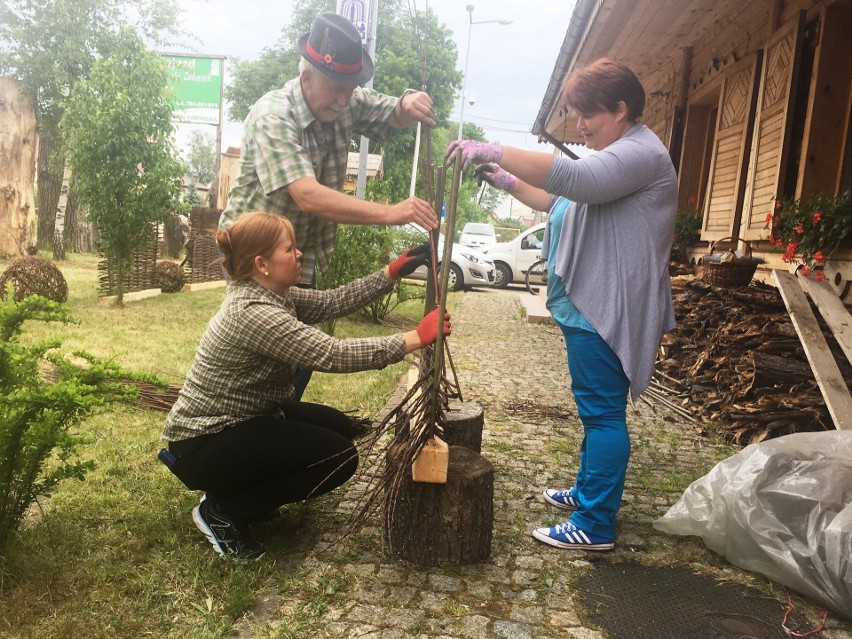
(508,70)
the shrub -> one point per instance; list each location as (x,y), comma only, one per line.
(361,250)
(36,447)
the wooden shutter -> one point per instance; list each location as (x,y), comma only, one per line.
(727,173)
(771,141)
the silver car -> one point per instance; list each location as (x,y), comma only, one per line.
(468,267)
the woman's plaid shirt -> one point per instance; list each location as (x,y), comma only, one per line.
(256,342)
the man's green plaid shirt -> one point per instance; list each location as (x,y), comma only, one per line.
(283,142)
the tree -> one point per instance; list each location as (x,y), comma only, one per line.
(50,45)
(201,159)
(117,131)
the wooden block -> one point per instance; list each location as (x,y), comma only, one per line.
(430,465)
(134,296)
(204,286)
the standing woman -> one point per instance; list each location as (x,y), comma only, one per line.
(235,431)
(611,257)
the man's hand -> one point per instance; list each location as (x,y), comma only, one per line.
(413,210)
(406,263)
(414,107)
(495,176)
(473,152)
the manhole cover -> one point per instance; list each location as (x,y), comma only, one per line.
(631,601)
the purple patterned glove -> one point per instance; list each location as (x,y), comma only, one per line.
(472,151)
(495,176)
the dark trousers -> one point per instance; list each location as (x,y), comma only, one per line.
(253,467)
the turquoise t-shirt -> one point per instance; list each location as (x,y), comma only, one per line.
(561,308)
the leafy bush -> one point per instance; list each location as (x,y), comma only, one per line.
(812,228)
(361,250)
(36,447)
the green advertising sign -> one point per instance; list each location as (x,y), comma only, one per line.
(197,84)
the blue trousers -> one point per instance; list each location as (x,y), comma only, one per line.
(600,390)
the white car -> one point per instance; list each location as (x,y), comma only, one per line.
(477,235)
(513,259)
(468,267)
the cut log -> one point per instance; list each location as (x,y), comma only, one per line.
(464,425)
(434,524)
(770,370)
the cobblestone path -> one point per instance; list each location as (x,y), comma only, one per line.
(517,372)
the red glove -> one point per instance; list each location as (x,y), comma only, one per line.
(427,329)
(406,263)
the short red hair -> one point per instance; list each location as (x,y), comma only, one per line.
(601,86)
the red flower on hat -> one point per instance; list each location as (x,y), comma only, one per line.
(328,59)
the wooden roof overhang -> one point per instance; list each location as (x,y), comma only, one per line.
(647,35)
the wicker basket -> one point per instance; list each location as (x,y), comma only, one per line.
(733,272)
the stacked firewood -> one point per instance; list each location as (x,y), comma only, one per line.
(735,362)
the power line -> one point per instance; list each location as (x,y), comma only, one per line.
(479,117)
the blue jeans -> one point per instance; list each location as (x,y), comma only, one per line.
(600,390)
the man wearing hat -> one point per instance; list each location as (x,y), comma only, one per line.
(296,143)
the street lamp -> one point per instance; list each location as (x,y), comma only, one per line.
(467,58)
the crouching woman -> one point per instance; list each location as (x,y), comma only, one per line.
(235,431)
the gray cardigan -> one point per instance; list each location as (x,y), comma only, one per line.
(614,248)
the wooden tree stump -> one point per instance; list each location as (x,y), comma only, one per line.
(464,425)
(433,524)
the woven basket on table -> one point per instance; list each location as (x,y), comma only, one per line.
(732,273)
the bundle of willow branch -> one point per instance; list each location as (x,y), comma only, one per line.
(397,440)
(422,412)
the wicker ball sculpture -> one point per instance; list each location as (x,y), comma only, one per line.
(34,276)
(170,277)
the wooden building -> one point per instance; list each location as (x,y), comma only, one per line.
(375,167)
(751,97)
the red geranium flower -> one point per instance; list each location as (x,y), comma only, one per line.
(819,258)
(805,271)
(820,276)
(817,217)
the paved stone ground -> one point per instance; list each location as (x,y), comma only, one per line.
(517,372)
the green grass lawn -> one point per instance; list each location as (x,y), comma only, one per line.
(117,555)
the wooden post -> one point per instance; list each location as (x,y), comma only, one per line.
(434,524)
(17,170)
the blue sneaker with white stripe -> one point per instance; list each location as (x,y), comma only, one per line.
(561,498)
(569,537)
